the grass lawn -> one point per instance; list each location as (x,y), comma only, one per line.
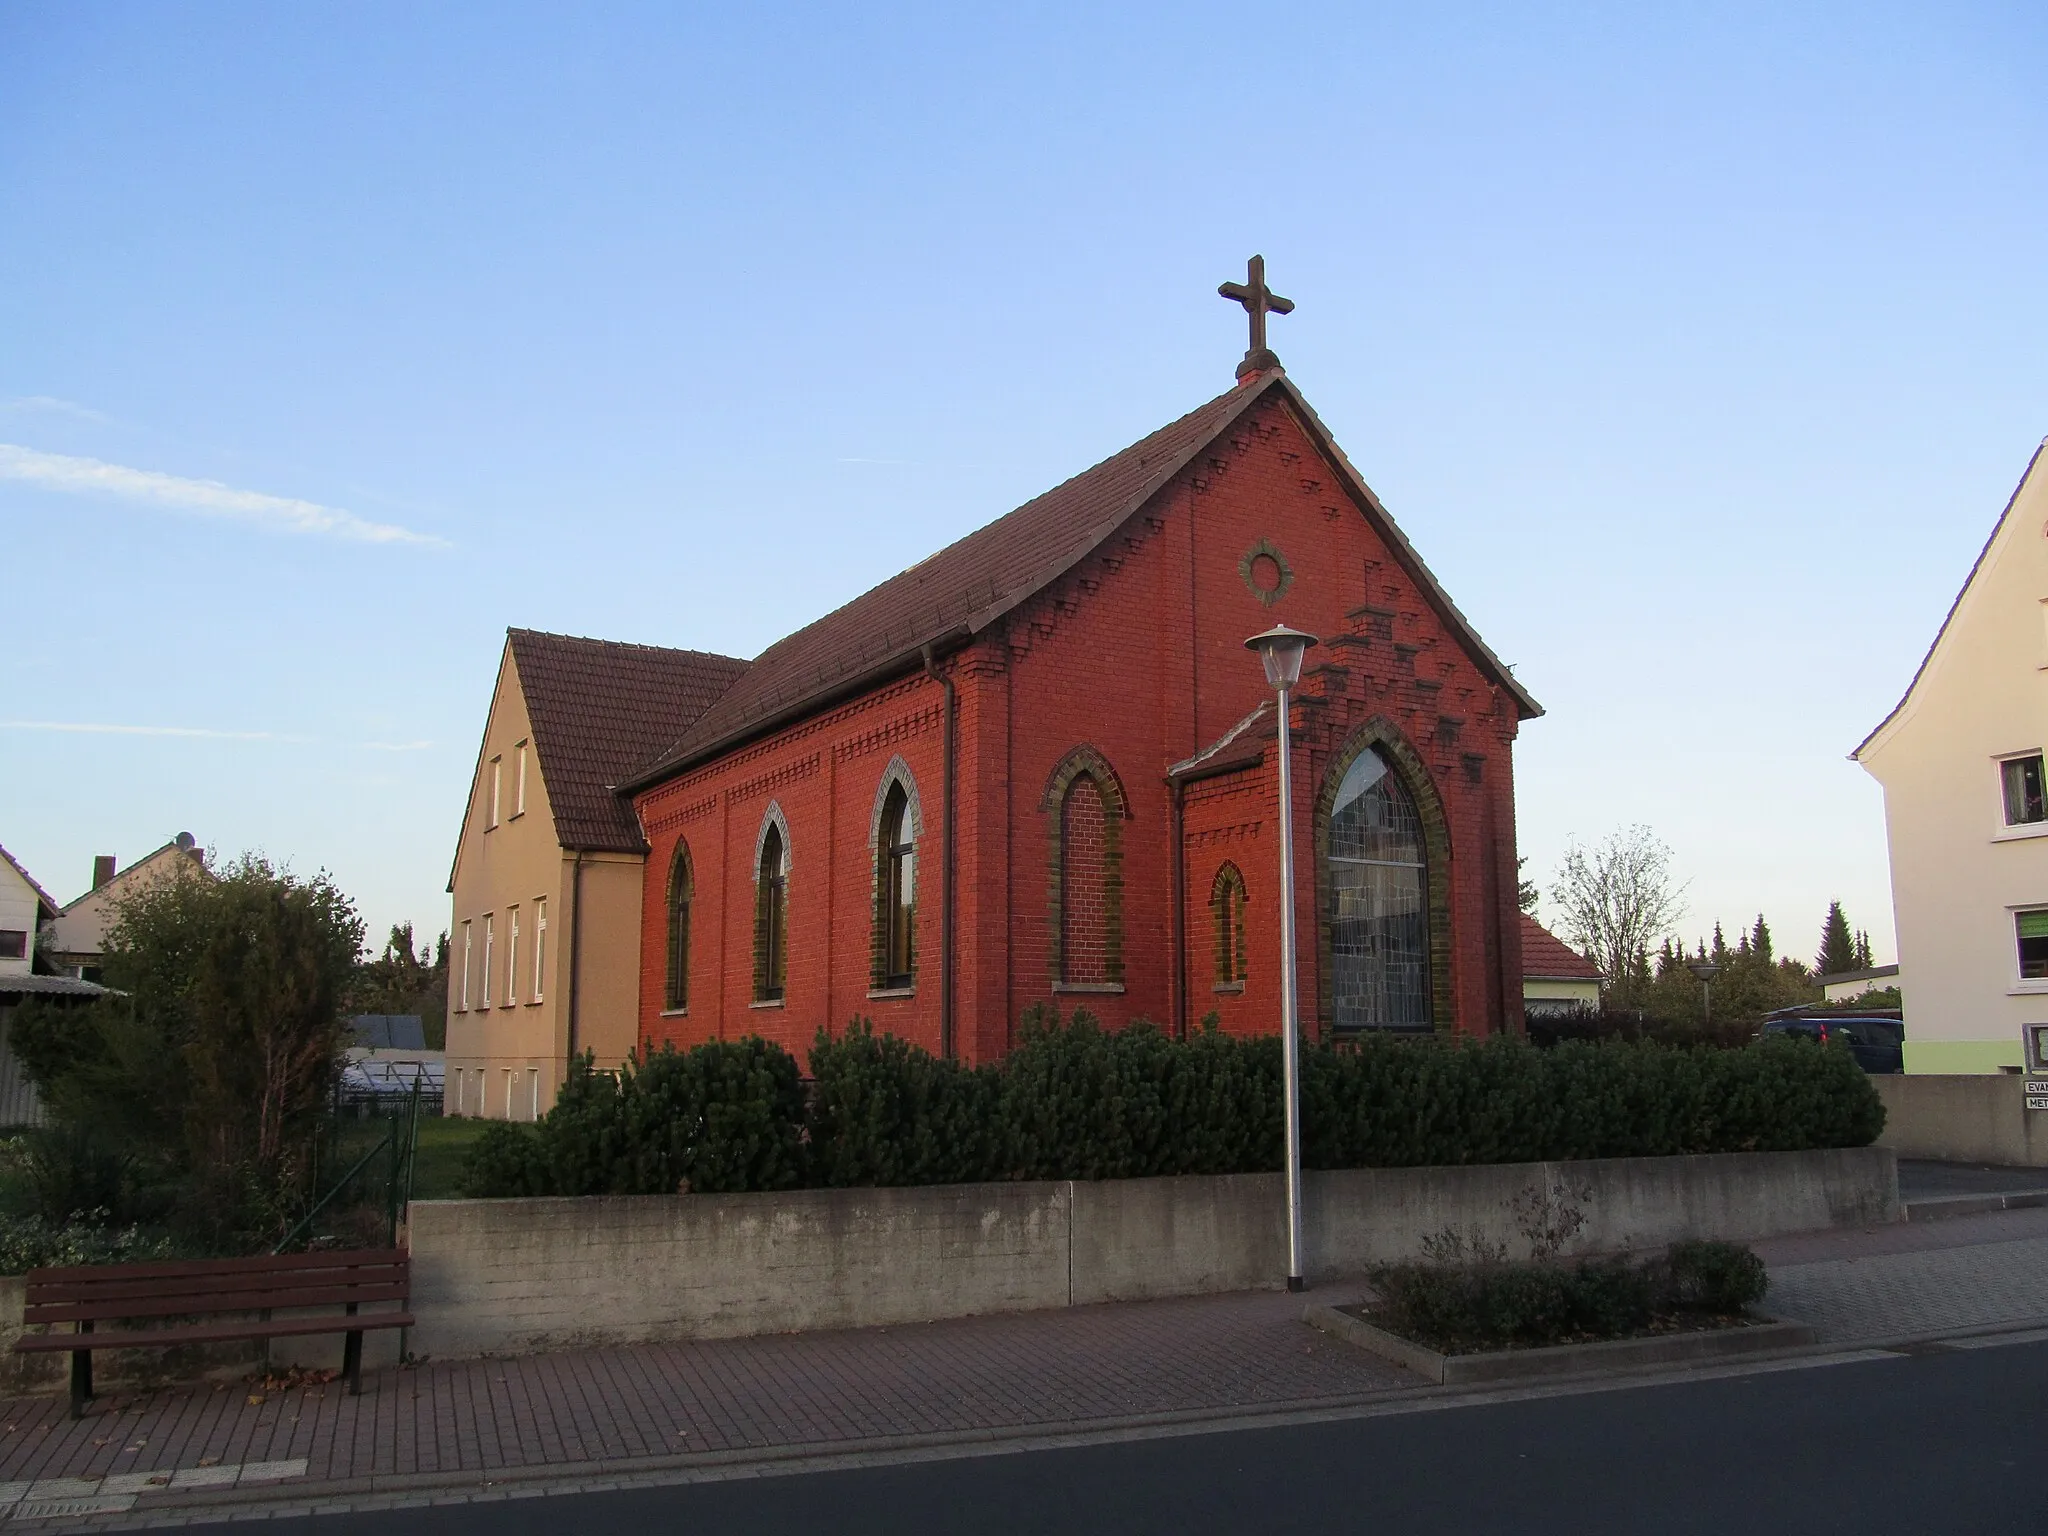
(445,1141)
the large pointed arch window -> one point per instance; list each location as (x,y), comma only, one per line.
(1379,917)
(681,888)
(771,917)
(896,890)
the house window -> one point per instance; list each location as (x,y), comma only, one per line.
(497,783)
(2026,790)
(771,918)
(511,956)
(896,896)
(533,1093)
(1226,906)
(519,781)
(681,889)
(2033,937)
(540,946)
(489,933)
(462,994)
(1379,910)
(13,943)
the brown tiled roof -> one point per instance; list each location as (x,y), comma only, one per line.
(1546,957)
(599,709)
(974,581)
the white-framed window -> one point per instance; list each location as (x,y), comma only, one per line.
(462,992)
(519,781)
(533,1093)
(2023,789)
(490,932)
(511,956)
(2030,932)
(540,948)
(497,788)
(508,1093)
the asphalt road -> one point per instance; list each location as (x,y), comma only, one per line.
(1928,1444)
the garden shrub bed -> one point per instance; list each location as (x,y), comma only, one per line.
(1460,1308)
(1074,1101)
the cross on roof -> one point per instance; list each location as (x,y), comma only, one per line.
(1258,301)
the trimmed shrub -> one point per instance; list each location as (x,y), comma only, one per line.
(1076,1101)
(1716,1277)
(883,1112)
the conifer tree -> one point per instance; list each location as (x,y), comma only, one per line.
(1863,960)
(1760,940)
(1837,945)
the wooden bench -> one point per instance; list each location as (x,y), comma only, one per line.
(201,1288)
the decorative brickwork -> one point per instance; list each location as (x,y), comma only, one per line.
(1087,807)
(1226,916)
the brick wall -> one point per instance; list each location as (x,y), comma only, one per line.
(1070,711)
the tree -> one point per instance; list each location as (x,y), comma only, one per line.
(1863,960)
(1617,900)
(212,1062)
(1526,894)
(1837,944)
(402,980)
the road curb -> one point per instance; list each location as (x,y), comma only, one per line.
(1946,1207)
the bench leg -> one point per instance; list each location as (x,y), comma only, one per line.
(81,1380)
(352,1362)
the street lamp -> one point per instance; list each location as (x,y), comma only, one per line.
(1706,970)
(1281,648)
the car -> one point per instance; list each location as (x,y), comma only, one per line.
(1877,1039)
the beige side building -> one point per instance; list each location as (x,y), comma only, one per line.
(545,941)
(1966,806)
(74,940)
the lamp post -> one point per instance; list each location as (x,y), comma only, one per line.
(1281,648)
(1706,970)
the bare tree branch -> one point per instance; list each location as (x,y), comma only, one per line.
(1615,901)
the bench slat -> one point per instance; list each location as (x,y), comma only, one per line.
(181,1303)
(208,1333)
(178,1269)
(115,1283)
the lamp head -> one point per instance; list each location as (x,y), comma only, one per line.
(1281,649)
(1706,970)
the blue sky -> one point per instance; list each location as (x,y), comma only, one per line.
(1696,353)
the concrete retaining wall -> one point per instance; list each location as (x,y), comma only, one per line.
(500,1276)
(1963,1119)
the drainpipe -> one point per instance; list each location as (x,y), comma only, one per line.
(931,670)
(575,949)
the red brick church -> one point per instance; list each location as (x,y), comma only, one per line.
(1039,766)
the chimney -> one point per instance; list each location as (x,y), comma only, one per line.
(102,869)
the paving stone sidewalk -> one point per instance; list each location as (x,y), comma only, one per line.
(1893,1281)
(1060,1371)
(819,1390)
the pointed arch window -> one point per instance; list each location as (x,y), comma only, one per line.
(896,891)
(681,890)
(1379,913)
(771,916)
(1226,906)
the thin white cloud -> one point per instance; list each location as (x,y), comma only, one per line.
(94,728)
(208,498)
(52,404)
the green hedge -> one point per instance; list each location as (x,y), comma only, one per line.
(1074,1101)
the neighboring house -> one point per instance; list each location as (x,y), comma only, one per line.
(1555,977)
(76,938)
(1966,806)
(1039,767)
(544,957)
(1847,986)
(25,907)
